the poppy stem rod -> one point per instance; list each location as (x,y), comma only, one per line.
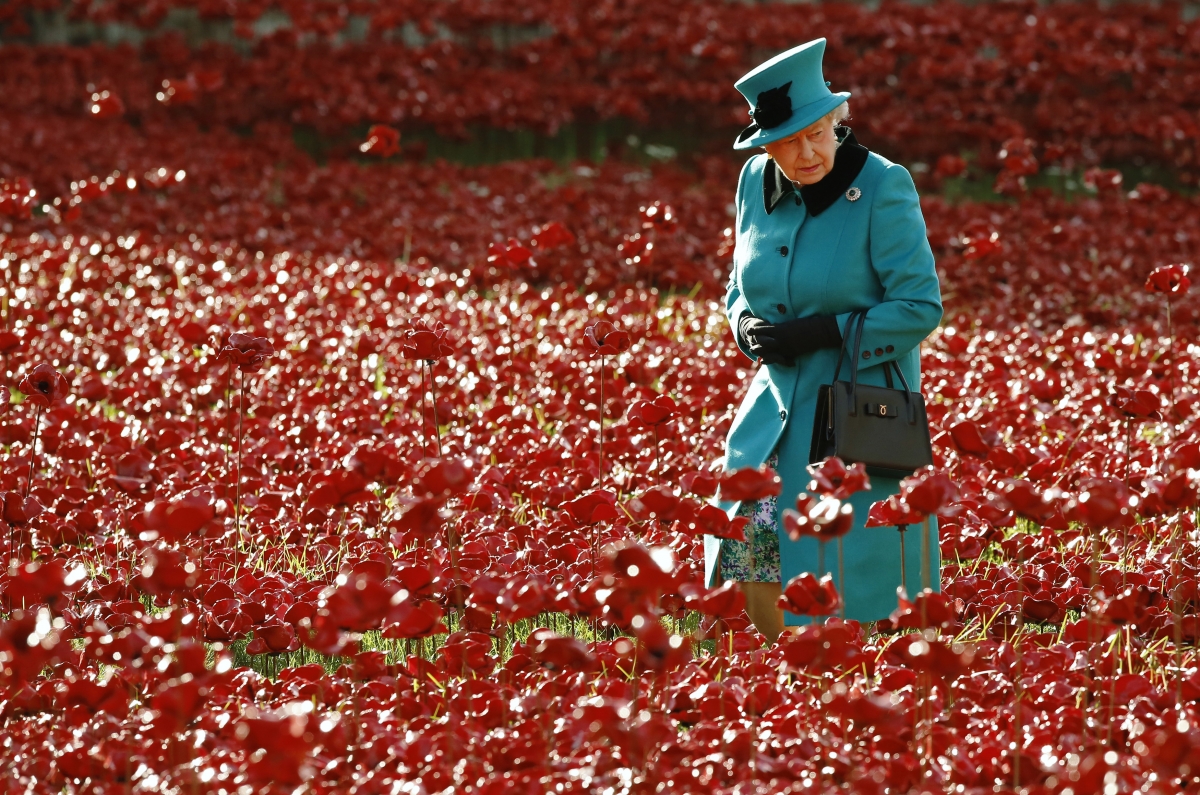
(437,432)
(600,446)
(842,577)
(1018,728)
(925,575)
(237,506)
(37,424)
(657,468)
(421,373)
(1170,368)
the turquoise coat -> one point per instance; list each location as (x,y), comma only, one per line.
(873,253)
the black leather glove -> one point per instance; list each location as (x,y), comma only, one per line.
(748,329)
(781,343)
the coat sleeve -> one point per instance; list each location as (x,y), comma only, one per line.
(735,302)
(911,307)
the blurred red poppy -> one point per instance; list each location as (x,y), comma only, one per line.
(949,166)
(658,216)
(560,653)
(184,514)
(1101,503)
(597,505)
(702,484)
(17,198)
(724,601)
(511,255)
(928,609)
(105,104)
(382,141)
(10,342)
(1023,497)
(932,656)
(338,489)
(553,235)
(177,91)
(273,638)
(658,650)
(824,519)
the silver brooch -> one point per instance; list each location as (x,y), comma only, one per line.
(854,194)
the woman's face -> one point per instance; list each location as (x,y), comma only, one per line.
(807,156)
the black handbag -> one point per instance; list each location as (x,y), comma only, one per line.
(884,428)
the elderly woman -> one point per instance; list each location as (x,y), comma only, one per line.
(824,228)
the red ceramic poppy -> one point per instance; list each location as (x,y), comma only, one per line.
(1137,403)
(824,519)
(247,352)
(807,596)
(105,104)
(44,386)
(382,141)
(561,653)
(426,342)
(832,478)
(552,235)
(894,512)
(653,412)
(1022,497)
(511,255)
(1169,279)
(928,490)
(969,440)
(603,339)
(749,484)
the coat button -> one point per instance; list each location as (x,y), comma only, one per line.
(782,309)
(783,250)
(879,351)
(889,349)
(782,414)
(866,354)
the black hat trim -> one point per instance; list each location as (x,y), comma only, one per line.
(774,107)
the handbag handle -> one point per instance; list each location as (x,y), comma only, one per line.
(862,321)
(861,316)
(912,415)
(842,351)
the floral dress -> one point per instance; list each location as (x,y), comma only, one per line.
(757,558)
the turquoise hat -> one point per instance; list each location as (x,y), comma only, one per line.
(786,94)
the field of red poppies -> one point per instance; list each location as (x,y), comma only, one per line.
(331,467)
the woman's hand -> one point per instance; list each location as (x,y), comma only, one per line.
(781,343)
(748,330)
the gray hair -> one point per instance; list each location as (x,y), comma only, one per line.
(839,114)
